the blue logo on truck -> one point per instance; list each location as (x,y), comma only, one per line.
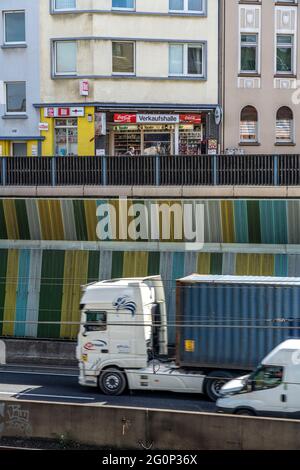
(125,303)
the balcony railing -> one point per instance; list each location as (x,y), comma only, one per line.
(202,170)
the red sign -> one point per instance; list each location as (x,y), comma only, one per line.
(191,118)
(63,112)
(125,118)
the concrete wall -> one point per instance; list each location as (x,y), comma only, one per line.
(263,90)
(21,64)
(129,428)
(56,353)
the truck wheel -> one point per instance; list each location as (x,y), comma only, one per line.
(112,382)
(244,412)
(214,382)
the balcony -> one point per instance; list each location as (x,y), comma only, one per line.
(143,176)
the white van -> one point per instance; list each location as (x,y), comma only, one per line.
(273,389)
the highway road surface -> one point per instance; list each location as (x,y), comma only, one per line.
(61,385)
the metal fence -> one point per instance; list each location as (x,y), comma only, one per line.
(154,170)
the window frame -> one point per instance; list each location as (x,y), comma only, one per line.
(186,46)
(249,45)
(123,8)
(249,141)
(103,326)
(15,113)
(286,46)
(56,73)
(128,74)
(186,9)
(292,136)
(62,9)
(13,43)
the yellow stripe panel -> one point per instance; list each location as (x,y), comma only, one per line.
(203,265)
(254,265)
(11,292)
(91,220)
(75,275)
(227,221)
(51,220)
(11,219)
(135,264)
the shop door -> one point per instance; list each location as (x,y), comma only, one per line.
(157,143)
(19,149)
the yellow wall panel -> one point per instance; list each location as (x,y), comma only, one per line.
(255,265)
(203,264)
(11,219)
(227,221)
(135,264)
(91,220)
(86,133)
(11,292)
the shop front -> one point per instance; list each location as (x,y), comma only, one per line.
(156,134)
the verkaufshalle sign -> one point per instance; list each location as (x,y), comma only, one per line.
(160,118)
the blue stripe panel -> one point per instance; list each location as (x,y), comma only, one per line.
(273,220)
(34,293)
(22,292)
(241,222)
(281,265)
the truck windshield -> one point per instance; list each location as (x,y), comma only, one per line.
(95,321)
(266,377)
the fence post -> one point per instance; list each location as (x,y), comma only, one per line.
(104,170)
(215,170)
(157,170)
(3,164)
(53,171)
(276,179)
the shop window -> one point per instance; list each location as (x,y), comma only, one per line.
(284,125)
(14,27)
(248,124)
(64,4)
(66,137)
(123,4)
(65,57)
(16,98)
(123,57)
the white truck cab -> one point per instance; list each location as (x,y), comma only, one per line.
(273,389)
(123,341)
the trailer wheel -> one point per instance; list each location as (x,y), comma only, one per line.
(214,382)
(112,382)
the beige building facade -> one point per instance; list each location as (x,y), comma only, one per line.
(129,76)
(261,72)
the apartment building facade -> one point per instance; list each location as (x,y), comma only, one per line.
(261,76)
(19,78)
(129,77)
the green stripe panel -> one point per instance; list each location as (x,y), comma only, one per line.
(22,219)
(153,263)
(117,264)
(93,266)
(80,221)
(51,293)
(254,222)
(216,263)
(3,230)
(3,268)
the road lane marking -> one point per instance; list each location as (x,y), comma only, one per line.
(25,394)
(37,373)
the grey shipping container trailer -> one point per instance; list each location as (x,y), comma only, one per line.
(232,322)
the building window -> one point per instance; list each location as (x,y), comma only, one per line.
(284,125)
(66,137)
(186,60)
(284,53)
(249,53)
(249,124)
(16,97)
(123,58)
(64,4)
(65,57)
(14,27)
(189,6)
(123,4)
